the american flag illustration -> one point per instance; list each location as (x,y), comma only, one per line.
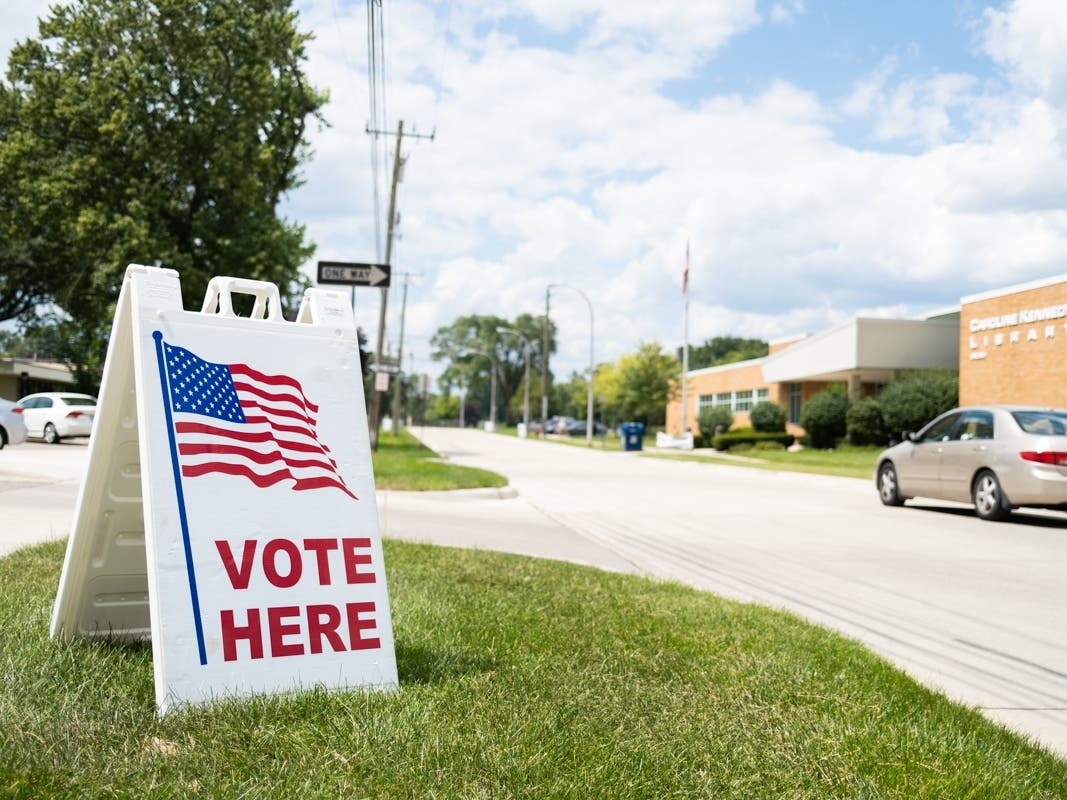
(236,420)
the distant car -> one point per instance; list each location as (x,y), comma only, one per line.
(995,457)
(576,427)
(53,416)
(12,426)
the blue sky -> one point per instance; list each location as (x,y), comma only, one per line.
(824,158)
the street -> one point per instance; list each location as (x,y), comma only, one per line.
(973,608)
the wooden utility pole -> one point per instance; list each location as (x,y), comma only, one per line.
(375,415)
(544,369)
(407,276)
(375,421)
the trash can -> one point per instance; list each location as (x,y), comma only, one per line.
(632,434)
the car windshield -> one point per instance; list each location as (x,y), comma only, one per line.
(79,401)
(1047,422)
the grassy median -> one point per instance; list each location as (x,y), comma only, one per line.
(403,462)
(520,678)
(846,461)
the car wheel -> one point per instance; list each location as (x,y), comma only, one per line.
(888,489)
(3,438)
(50,434)
(988,497)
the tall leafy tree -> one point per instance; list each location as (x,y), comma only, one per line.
(161,133)
(724,350)
(648,380)
(472,343)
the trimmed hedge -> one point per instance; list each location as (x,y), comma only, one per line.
(748,436)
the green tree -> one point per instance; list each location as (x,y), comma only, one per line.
(472,342)
(606,392)
(724,350)
(648,380)
(443,408)
(164,132)
(914,398)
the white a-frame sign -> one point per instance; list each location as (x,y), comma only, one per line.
(228,508)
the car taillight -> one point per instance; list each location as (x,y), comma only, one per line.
(17,410)
(1046,457)
(74,414)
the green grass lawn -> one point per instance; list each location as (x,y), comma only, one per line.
(403,462)
(846,461)
(519,678)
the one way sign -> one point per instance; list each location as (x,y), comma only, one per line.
(354,274)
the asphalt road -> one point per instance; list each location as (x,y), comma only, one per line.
(976,609)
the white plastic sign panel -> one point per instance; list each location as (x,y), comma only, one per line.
(264,563)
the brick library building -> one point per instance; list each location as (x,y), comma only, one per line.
(1009,346)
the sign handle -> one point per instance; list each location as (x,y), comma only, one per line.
(219,298)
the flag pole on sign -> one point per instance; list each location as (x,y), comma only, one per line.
(685,341)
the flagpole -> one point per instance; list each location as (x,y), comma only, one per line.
(685,342)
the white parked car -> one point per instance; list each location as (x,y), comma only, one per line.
(12,426)
(57,415)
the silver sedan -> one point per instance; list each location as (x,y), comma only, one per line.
(995,457)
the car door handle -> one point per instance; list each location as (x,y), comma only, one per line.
(979,448)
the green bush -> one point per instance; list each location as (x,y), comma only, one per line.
(768,417)
(823,418)
(865,422)
(913,399)
(710,418)
(747,437)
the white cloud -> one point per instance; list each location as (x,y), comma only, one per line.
(786,11)
(1028,37)
(559,159)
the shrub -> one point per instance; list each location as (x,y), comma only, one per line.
(865,422)
(768,417)
(913,399)
(710,418)
(747,437)
(823,418)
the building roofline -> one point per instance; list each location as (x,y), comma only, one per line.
(751,362)
(1016,289)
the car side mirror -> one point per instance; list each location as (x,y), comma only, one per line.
(911,436)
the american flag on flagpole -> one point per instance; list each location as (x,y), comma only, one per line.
(685,272)
(236,420)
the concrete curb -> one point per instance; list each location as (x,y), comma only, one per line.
(486,493)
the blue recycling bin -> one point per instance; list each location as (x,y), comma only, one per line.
(632,434)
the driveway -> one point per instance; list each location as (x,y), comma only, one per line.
(976,609)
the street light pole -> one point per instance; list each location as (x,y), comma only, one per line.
(526,388)
(544,368)
(592,368)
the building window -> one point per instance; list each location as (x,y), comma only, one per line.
(724,399)
(705,401)
(743,400)
(762,395)
(796,396)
